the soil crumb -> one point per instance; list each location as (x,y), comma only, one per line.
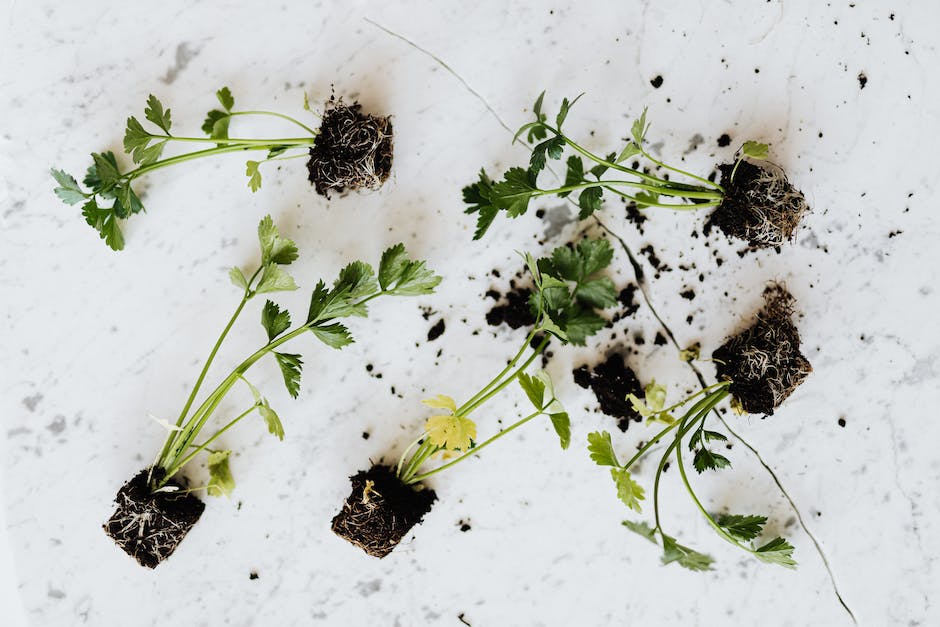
(611,381)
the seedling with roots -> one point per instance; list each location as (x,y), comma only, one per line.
(350,150)
(752,202)
(386,502)
(154,511)
(758,369)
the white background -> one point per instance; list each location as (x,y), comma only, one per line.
(94,340)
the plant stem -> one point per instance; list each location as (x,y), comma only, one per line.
(287,141)
(277,115)
(469,407)
(665,191)
(208,152)
(175,468)
(682,172)
(460,410)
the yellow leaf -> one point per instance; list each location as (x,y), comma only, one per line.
(454,433)
(441,402)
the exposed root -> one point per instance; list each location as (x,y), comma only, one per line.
(353,150)
(760,206)
(380,510)
(147,526)
(763,362)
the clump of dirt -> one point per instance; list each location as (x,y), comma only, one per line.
(760,206)
(381,510)
(764,362)
(149,526)
(353,150)
(611,381)
(513,309)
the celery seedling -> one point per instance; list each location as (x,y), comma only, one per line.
(758,369)
(154,511)
(387,502)
(349,150)
(752,202)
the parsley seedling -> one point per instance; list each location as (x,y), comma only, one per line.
(356,286)
(763,209)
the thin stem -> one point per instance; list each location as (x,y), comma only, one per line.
(175,467)
(682,172)
(656,203)
(468,408)
(287,141)
(501,374)
(476,449)
(208,152)
(665,191)
(277,115)
(401,460)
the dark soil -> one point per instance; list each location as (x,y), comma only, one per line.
(436,331)
(376,522)
(611,381)
(724,140)
(353,150)
(512,310)
(760,206)
(763,362)
(147,526)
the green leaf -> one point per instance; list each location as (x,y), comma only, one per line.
(253,174)
(271,419)
(334,335)
(105,172)
(355,282)
(707,460)
(601,449)
(574,175)
(238,278)
(220,477)
(600,168)
(103,220)
(655,396)
(513,192)
(691,353)
(646,199)
(590,201)
(581,324)
(216,124)
(537,107)
(274,320)
(290,367)
(686,557)
(595,255)
(136,140)
(777,551)
(274,279)
(562,425)
(534,388)
(642,529)
(225,98)
(597,292)
(551,147)
(563,111)
(277,151)
(630,150)
(741,527)
(155,113)
(628,491)
(68,190)
(128,199)
(549,326)
(403,276)
(638,131)
(755,150)
(477,196)
(274,248)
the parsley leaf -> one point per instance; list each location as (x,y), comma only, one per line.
(755,150)
(599,293)
(686,557)
(103,220)
(220,477)
(274,320)
(551,148)
(628,491)
(216,124)
(333,335)
(290,364)
(562,425)
(253,174)
(639,128)
(514,192)
(777,551)
(642,529)
(707,460)
(274,279)
(274,248)
(68,190)
(563,111)
(741,527)
(238,278)
(402,276)
(601,449)
(156,114)
(574,175)
(271,419)
(225,98)
(452,433)
(477,195)
(589,200)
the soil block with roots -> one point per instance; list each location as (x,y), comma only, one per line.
(763,362)
(760,206)
(611,381)
(149,526)
(381,510)
(353,150)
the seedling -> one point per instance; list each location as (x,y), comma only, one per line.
(154,510)
(386,502)
(758,369)
(350,150)
(752,202)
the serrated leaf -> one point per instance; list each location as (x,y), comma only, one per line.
(356,281)
(225,98)
(68,190)
(639,128)
(128,199)
(580,324)
(562,425)
(271,419)
(646,199)
(708,460)
(589,200)
(574,174)
(221,481)
(403,276)
(441,401)
(534,388)
(599,293)
(630,150)
(563,111)
(136,139)
(452,433)
(334,335)
(105,172)
(216,124)
(641,529)
(155,113)
(291,365)
(755,150)
(548,325)
(551,148)
(537,107)
(777,551)
(655,396)
(274,320)
(599,170)
(103,220)
(628,490)
(275,279)
(740,526)
(684,556)
(274,248)
(601,449)
(253,174)
(513,192)
(238,278)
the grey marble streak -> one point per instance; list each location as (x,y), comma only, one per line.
(93,341)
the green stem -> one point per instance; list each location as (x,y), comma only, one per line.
(682,172)
(176,467)
(664,191)
(476,449)
(208,152)
(501,374)
(277,115)
(656,203)
(267,143)
(469,407)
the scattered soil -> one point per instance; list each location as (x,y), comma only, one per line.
(724,140)
(147,526)
(763,362)
(378,520)
(513,310)
(636,216)
(660,339)
(353,150)
(611,381)
(760,207)
(657,82)
(436,331)
(862,80)
(627,298)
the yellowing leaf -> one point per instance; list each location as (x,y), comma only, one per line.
(655,396)
(454,433)
(441,402)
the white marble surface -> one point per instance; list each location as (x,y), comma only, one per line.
(93,340)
